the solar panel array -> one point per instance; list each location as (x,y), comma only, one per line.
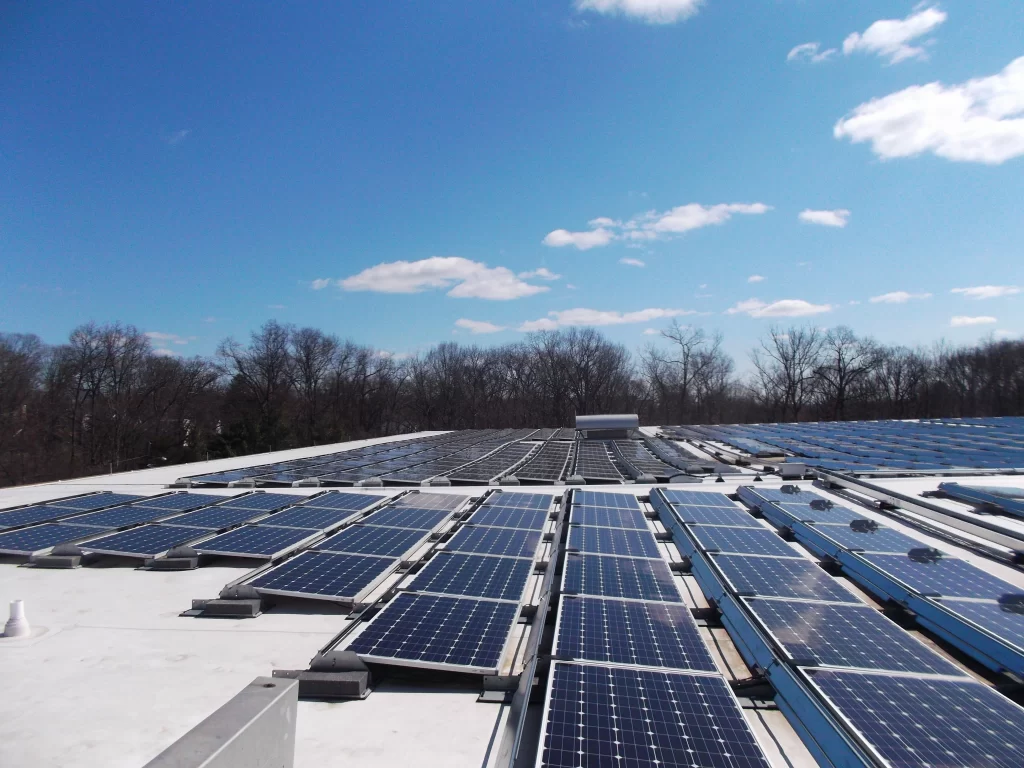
(498,464)
(594,462)
(548,465)
(1009,501)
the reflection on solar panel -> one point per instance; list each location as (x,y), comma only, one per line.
(793,494)
(1004,621)
(25,541)
(511,517)
(94,501)
(868,539)
(440,631)
(519,500)
(324,574)
(349,501)
(1007,500)
(624,632)
(631,578)
(510,542)
(145,541)
(215,518)
(613,541)
(498,464)
(746,541)
(608,716)
(593,462)
(409,517)
(429,501)
(119,517)
(497,578)
(696,498)
(778,577)
(609,518)
(919,722)
(266,502)
(547,465)
(38,513)
(808,514)
(821,634)
(944,576)
(177,502)
(255,541)
(602,499)
(715,516)
(373,540)
(314,518)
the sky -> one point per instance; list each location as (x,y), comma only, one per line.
(403,174)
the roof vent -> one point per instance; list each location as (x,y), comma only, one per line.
(610,426)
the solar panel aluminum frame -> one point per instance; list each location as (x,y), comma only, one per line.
(675,580)
(519,601)
(691,546)
(404,557)
(298,545)
(534,557)
(352,602)
(815,539)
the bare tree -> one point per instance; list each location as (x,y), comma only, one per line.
(313,356)
(846,362)
(786,362)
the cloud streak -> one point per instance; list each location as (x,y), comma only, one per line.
(478,326)
(649,11)
(898,297)
(781,308)
(810,52)
(463,279)
(963,321)
(891,38)
(597,317)
(980,292)
(838,217)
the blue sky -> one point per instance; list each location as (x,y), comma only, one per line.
(408,173)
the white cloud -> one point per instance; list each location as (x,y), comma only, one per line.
(163,339)
(891,38)
(781,308)
(1002,333)
(898,297)
(583,316)
(478,326)
(632,262)
(960,321)
(541,273)
(178,136)
(978,121)
(810,52)
(650,11)
(464,278)
(276,306)
(853,302)
(570,286)
(165,352)
(653,225)
(320,283)
(755,279)
(834,218)
(651,332)
(987,291)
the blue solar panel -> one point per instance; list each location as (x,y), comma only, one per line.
(409,517)
(696,498)
(314,518)
(787,494)
(613,541)
(608,517)
(215,518)
(485,540)
(627,632)
(916,722)
(255,541)
(443,631)
(868,538)
(94,501)
(715,516)
(746,541)
(429,501)
(615,716)
(373,540)
(602,499)
(145,541)
(510,517)
(350,501)
(34,514)
(119,517)
(263,502)
(780,577)
(945,576)
(498,578)
(540,501)
(324,574)
(823,634)
(809,514)
(29,540)
(177,502)
(631,578)
(1003,621)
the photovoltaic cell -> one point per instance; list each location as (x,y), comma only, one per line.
(540,501)
(809,514)
(778,577)
(314,518)
(28,540)
(145,541)
(429,501)
(697,498)
(603,499)
(324,574)
(624,632)
(409,517)
(631,578)
(215,518)
(119,517)
(255,541)
(607,517)
(177,502)
(858,539)
(923,722)
(608,716)
(1002,621)
(498,578)
(746,541)
(613,541)
(37,513)
(439,630)
(264,502)
(947,576)
(373,540)
(511,517)
(821,634)
(715,516)
(94,501)
(510,542)
(349,501)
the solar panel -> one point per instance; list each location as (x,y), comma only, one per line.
(177,502)
(822,634)
(632,578)
(615,716)
(94,501)
(511,517)
(613,541)
(496,465)
(373,540)
(25,541)
(409,517)
(1003,621)
(547,465)
(746,541)
(438,631)
(314,518)
(922,722)
(485,540)
(808,514)
(602,499)
(264,502)
(429,501)
(497,578)
(215,518)
(255,541)
(715,516)
(696,498)
(348,501)
(868,539)
(119,517)
(324,574)
(540,501)
(793,494)
(945,576)
(145,541)
(626,632)
(607,517)
(593,462)
(780,577)
(37,513)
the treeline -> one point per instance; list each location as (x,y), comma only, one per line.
(107,401)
